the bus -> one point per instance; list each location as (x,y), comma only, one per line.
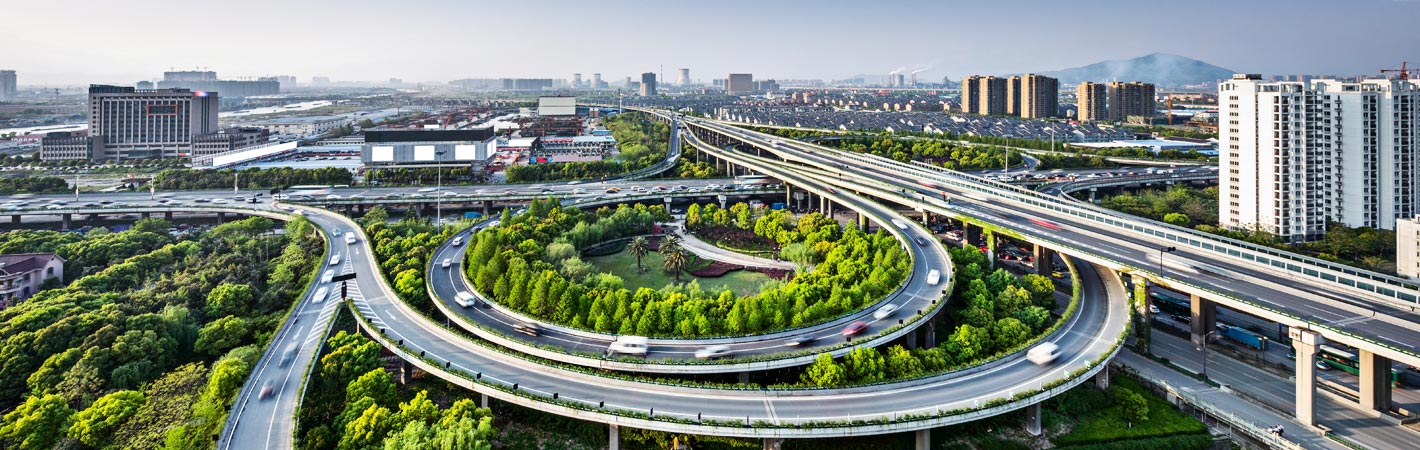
(754,179)
(1328,357)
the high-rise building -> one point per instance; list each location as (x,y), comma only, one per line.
(126,123)
(526,84)
(576,80)
(1039,97)
(1407,247)
(983,95)
(648,84)
(684,77)
(1013,96)
(1130,99)
(8,89)
(1296,156)
(597,82)
(1092,102)
(739,83)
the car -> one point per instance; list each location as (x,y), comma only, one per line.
(714,352)
(579,191)
(222,201)
(1057,274)
(613,191)
(329,274)
(530,329)
(349,238)
(885,311)
(266,390)
(446,194)
(510,192)
(1153,309)
(458,240)
(335,233)
(547,190)
(447,262)
(628,345)
(854,328)
(335,260)
(801,341)
(921,241)
(1043,354)
(1181,318)
(240,198)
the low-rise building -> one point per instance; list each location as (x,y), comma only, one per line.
(228,139)
(1407,247)
(571,149)
(65,146)
(22,274)
(303,126)
(417,147)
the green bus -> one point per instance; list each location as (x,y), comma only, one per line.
(1334,358)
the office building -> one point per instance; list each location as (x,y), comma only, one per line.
(648,84)
(21,275)
(126,123)
(1296,156)
(8,87)
(684,77)
(1407,247)
(66,146)
(1130,100)
(144,85)
(739,83)
(1036,97)
(984,95)
(1092,102)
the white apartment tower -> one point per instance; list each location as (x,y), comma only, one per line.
(1297,155)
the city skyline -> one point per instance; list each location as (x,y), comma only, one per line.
(437,41)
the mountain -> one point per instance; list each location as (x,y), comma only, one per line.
(1162,69)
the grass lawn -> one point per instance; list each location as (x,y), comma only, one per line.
(622,264)
(1109,425)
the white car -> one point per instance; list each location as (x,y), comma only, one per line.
(1043,354)
(628,345)
(885,311)
(714,352)
(329,274)
(447,262)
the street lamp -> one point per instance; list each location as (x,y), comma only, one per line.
(438,189)
(1163,250)
(1204,349)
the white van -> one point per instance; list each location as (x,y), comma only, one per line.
(1043,354)
(628,345)
(465,299)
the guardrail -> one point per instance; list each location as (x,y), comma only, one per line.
(1080,185)
(1247,426)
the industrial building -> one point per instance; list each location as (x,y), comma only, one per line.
(303,126)
(206,81)
(557,149)
(1296,156)
(418,147)
(684,77)
(65,146)
(648,84)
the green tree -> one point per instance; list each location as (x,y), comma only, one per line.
(465,434)
(36,424)
(376,384)
(412,435)
(1134,406)
(1041,289)
(902,364)
(1179,219)
(967,343)
(637,247)
(229,299)
(418,409)
(865,365)
(824,372)
(556,252)
(575,269)
(368,430)
(221,335)
(1008,332)
(94,426)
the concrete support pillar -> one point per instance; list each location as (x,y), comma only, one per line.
(92,217)
(1375,381)
(922,439)
(487,208)
(65,220)
(862,223)
(406,371)
(1093,191)
(972,236)
(742,377)
(911,339)
(482,400)
(1140,311)
(773,443)
(1102,378)
(167,215)
(1033,419)
(1203,318)
(15,218)
(829,212)
(221,217)
(930,340)
(926,218)
(1305,343)
(788,194)
(990,249)
(1044,260)
(147,215)
(613,437)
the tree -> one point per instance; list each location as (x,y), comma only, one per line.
(229,299)
(1008,332)
(412,435)
(668,242)
(1134,406)
(376,384)
(94,426)
(1035,317)
(864,365)
(220,335)
(418,409)
(967,343)
(465,434)
(824,372)
(575,269)
(37,423)
(902,364)
(367,430)
(675,260)
(1179,219)
(556,252)
(1041,289)
(637,247)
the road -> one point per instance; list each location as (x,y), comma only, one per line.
(1312,299)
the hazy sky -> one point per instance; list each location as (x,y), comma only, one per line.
(121,41)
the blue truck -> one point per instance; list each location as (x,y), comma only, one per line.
(1244,337)
(779,205)
(472,215)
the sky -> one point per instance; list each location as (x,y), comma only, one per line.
(76,42)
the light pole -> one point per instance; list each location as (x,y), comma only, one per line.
(1204,349)
(438,189)
(1163,250)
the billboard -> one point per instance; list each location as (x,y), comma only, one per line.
(382,153)
(423,153)
(557,106)
(465,152)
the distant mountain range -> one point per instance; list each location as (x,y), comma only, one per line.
(1162,69)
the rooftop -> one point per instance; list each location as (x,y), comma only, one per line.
(24,262)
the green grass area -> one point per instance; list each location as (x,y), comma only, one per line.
(1107,424)
(622,264)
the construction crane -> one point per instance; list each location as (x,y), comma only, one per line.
(1404,70)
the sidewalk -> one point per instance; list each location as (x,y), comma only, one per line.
(1210,398)
(709,251)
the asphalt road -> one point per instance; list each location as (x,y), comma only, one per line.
(1344,308)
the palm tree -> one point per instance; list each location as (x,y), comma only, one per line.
(675,259)
(638,248)
(669,241)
